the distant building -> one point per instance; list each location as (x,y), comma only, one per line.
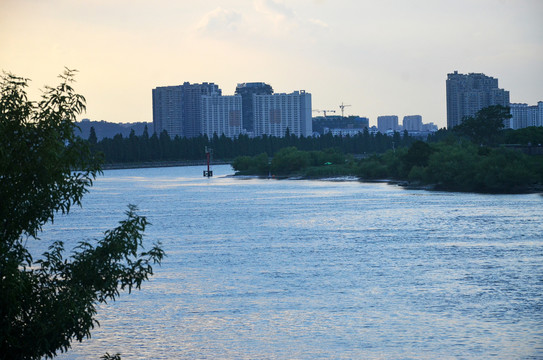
(362,121)
(322,125)
(525,116)
(247,91)
(467,94)
(221,115)
(343,131)
(519,119)
(177,109)
(387,123)
(167,110)
(273,114)
(412,123)
(430,127)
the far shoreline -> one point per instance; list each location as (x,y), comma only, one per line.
(158,164)
(536,189)
(402,183)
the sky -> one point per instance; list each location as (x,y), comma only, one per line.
(380,57)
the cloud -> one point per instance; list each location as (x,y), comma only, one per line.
(319,23)
(277,11)
(284,18)
(219,20)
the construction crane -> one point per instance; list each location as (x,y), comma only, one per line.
(342,107)
(325,111)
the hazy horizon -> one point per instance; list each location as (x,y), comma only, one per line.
(382,58)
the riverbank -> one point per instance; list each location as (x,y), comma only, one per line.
(531,189)
(153,164)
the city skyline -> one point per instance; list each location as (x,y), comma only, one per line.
(386,57)
(190,110)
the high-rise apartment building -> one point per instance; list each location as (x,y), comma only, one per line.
(167,110)
(525,116)
(467,94)
(273,114)
(412,122)
(519,116)
(221,115)
(539,116)
(189,110)
(387,123)
(177,109)
(247,91)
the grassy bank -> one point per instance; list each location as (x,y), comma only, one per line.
(459,166)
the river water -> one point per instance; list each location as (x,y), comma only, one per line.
(304,269)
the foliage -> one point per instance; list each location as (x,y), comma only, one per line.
(386,166)
(442,135)
(373,168)
(161,147)
(467,168)
(460,166)
(38,153)
(485,126)
(417,155)
(451,159)
(258,165)
(92,136)
(242,163)
(289,160)
(327,157)
(531,135)
(44,169)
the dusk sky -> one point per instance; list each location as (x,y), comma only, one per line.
(381,57)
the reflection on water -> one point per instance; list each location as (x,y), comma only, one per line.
(270,269)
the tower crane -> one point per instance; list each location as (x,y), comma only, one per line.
(325,111)
(342,107)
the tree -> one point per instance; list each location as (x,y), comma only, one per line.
(93,139)
(484,127)
(289,160)
(417,155)
(45,169)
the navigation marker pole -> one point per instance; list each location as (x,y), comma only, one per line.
(208,173)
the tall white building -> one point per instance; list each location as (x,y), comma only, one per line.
(467,94)
(273,114)
(387,123)
(519,119)
(412,123)
(535,114)
(525,116)
(221,115)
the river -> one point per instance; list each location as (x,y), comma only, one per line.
(307,269)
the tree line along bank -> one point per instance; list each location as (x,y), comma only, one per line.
(478,155)
(161,147)
(471,158)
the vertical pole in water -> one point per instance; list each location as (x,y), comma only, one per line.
(208,173)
